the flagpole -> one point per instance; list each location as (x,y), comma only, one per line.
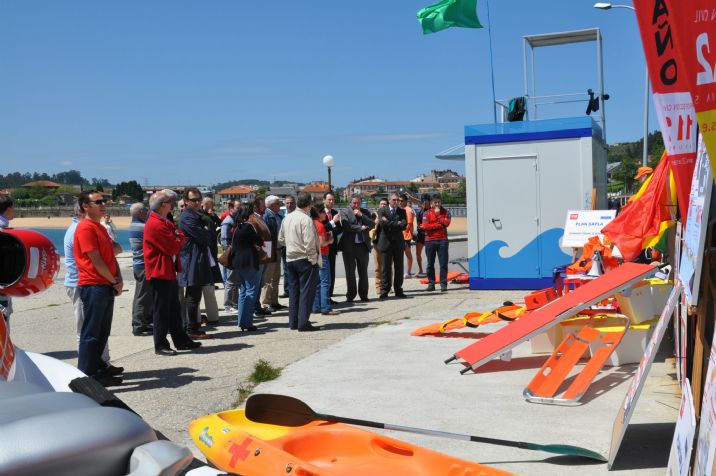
(492,64)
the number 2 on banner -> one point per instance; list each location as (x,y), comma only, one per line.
(708,75)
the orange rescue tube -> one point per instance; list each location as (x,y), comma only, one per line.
(235,444)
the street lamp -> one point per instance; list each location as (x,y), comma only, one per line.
(644,156)
(328,162)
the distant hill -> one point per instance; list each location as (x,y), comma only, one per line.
(630,156)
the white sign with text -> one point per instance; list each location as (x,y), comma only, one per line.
(581,225)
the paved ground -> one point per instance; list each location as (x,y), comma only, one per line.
(401,379)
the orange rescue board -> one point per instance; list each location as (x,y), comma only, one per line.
(542,319)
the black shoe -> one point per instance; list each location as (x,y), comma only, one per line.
(165,351)
(400,295)
(108,380)
(383,297)
(279,306)
(284,296)
(199,335)
(443,289)
(249,329)
(293,328)
(332,301)
(143,331)
(189,345)
(365,299)
(431,287)
(308,328)
(112,370)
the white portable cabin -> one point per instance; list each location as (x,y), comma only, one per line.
(522,178)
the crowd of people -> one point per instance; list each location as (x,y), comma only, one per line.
(176,263)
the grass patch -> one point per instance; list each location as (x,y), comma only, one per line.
(264,372)
(244,391)
(392,322)
(52,305)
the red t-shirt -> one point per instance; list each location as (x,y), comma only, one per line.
(322,232)
(92,236)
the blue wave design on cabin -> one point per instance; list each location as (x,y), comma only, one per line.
(524,263)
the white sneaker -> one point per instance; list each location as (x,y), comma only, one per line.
(230,309)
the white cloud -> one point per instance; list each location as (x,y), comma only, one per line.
(66,162)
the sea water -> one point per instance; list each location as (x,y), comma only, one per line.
(57,237)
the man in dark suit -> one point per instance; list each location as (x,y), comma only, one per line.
(333,224)
(196,260)
(391,244)
(355,245)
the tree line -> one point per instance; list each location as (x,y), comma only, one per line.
(69,177)
(629,154)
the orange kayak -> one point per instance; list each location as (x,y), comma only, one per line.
(235,444)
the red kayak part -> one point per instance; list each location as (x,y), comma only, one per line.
(28,262)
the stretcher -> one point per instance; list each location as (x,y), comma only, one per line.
(456,277)
(472,319)
(548,380)
(594,291)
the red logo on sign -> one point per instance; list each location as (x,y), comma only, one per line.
(573,216)
(239,451)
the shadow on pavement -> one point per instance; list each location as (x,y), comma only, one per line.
(62,354)
(645,445)
(343,325)
(173,377)
(518,363)
(606,383)
(221,348)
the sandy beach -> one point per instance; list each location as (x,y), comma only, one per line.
(121,223)
(458,226)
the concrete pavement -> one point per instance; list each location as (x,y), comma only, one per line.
(364,364)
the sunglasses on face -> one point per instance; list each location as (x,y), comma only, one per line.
(99,202)
(194,200)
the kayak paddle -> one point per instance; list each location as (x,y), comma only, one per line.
(288,411)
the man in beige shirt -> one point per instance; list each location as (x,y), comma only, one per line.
(299,236)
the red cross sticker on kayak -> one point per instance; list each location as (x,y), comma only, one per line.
(239,451)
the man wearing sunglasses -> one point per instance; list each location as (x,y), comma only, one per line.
(196,261)
(99,282)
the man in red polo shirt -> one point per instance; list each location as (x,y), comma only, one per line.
(99,282)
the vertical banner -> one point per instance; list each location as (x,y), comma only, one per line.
(621,422)
(681,445)
(692,251)
(677,118)
(692,24)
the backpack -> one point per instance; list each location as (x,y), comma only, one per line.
(516,109)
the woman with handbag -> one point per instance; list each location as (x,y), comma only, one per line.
(245,248)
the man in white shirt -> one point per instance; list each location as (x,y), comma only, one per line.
(299,236)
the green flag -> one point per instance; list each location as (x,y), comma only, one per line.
(448,13)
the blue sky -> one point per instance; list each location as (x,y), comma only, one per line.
(190,91)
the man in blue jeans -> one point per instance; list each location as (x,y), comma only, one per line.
(99,282)
(299,236)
